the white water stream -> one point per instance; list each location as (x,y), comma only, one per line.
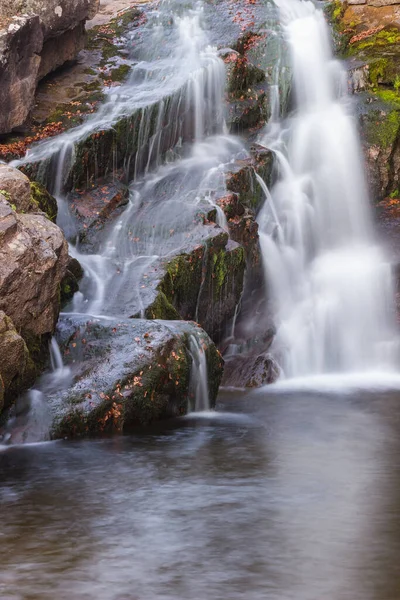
(330,283)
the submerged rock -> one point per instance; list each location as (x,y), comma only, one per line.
(127,372)
(93,207)
(254,370)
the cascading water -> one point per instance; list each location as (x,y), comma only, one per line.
(185,90)
(330,284)
(161,217)
(199,376)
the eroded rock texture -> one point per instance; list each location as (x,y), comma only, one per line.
(33,263)
(36,37)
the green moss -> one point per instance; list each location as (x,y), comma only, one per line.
(8,197)
(395,193)
(383,129)
(41,199)
(118,74)
(335,11)
(377,70)
(225,264)
(109,51)
(389,96)
(161,308)
(38,348)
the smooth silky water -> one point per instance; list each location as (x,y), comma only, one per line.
(278,497)
(288,492)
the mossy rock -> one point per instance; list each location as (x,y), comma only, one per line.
(382,128)
(68,287)
(130,373)
(42,200)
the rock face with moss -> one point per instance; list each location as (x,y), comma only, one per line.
(369,37)
(127,373)
(33,262)
(36,37)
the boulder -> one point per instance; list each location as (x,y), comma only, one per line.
(16,367)
(33,261)
(21,42)
(254,370)
(128,372)
(16,187)
(56,16)
(45,35)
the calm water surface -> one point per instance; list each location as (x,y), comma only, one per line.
(291,496)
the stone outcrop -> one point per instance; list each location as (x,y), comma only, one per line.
(44,35)
(127,373)
(33,263)
(21,41)
(374,3)
(368,36)
(16,367)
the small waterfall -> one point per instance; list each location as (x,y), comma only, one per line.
(198,376)
(167,100)
(330,283)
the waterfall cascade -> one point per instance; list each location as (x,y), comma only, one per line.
(330,284)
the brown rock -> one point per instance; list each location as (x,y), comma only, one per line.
(250,371)
(56,16)
(33,261)
(1,394)
(379,3)
(46,35)
(15,365)
(17,187)
(64,48)
(20,45)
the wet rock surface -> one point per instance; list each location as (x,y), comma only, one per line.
(254,370)
(199,276)
(93,207)
(127,373)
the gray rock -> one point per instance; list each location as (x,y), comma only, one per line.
(127,372)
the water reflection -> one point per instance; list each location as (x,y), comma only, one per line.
(278,496)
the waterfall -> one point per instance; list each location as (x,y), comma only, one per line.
(198,376)
(330,283)
(170,97)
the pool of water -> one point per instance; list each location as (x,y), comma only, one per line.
(279,495)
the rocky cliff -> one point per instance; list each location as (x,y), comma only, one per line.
(36,37)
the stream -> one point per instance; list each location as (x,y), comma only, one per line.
(285,492)
(276,496)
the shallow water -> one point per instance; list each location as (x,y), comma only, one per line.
(278,496)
